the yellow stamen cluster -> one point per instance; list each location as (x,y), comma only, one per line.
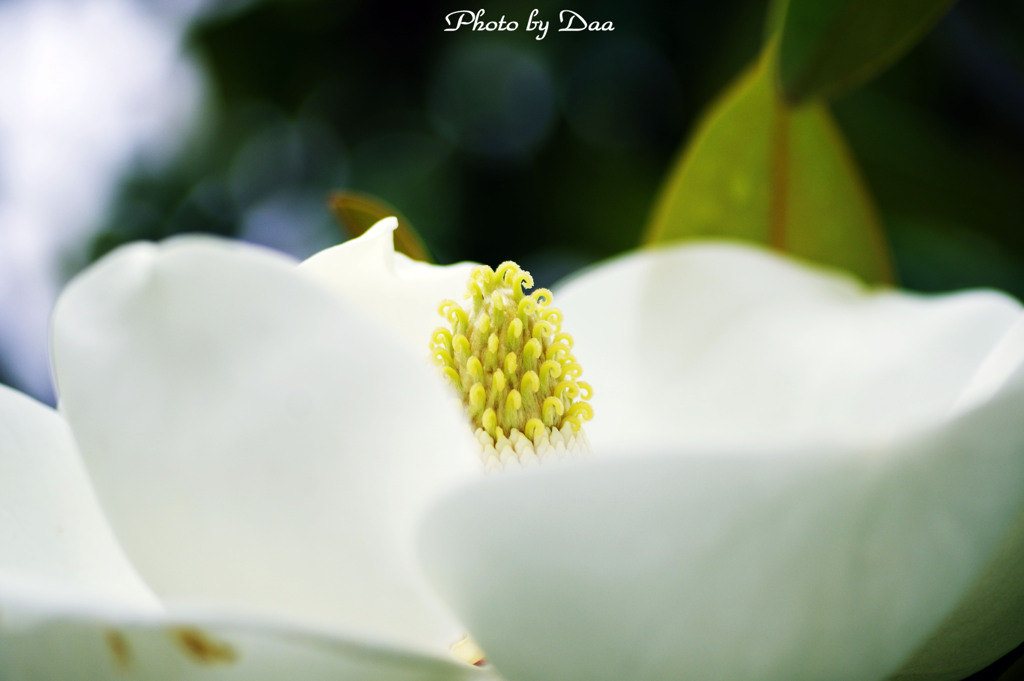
(513,367)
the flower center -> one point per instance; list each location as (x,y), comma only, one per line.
(509,360)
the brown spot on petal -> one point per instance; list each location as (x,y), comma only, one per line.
(119,648)
(202,648)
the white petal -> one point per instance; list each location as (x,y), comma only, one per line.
(1003,364)
(52,531)
(398,291)
(253,440)
(717,344)
(824,563)
(987,622)
(76,648)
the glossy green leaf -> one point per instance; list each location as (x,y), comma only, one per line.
(760,171)
(774,19)
(356,213)
(828,46)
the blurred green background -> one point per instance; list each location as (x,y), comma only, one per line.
(551,152)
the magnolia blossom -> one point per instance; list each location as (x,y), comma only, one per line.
(256,473)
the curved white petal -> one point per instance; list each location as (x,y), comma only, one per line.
(255,441)
(722,344)
(52,532)
(74,647)
(1003,365)
(390,287)
(823,563)
(987,622)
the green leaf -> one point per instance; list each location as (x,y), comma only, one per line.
(759,170)
(774,19)
(828,46)
(356,213)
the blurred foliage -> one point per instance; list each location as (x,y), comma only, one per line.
(1008,668)
(762,171)
(828,46)
(552,152)
(357,213)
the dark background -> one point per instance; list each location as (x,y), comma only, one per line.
(499,146)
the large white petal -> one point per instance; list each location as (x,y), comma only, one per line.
(52,531)
(822,563)
(254,441)
(392,288)
(988,621)
(74,646)
(716,344)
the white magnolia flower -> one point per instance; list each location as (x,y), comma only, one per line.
(789,477)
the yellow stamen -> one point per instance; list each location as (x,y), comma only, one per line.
(509,360)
